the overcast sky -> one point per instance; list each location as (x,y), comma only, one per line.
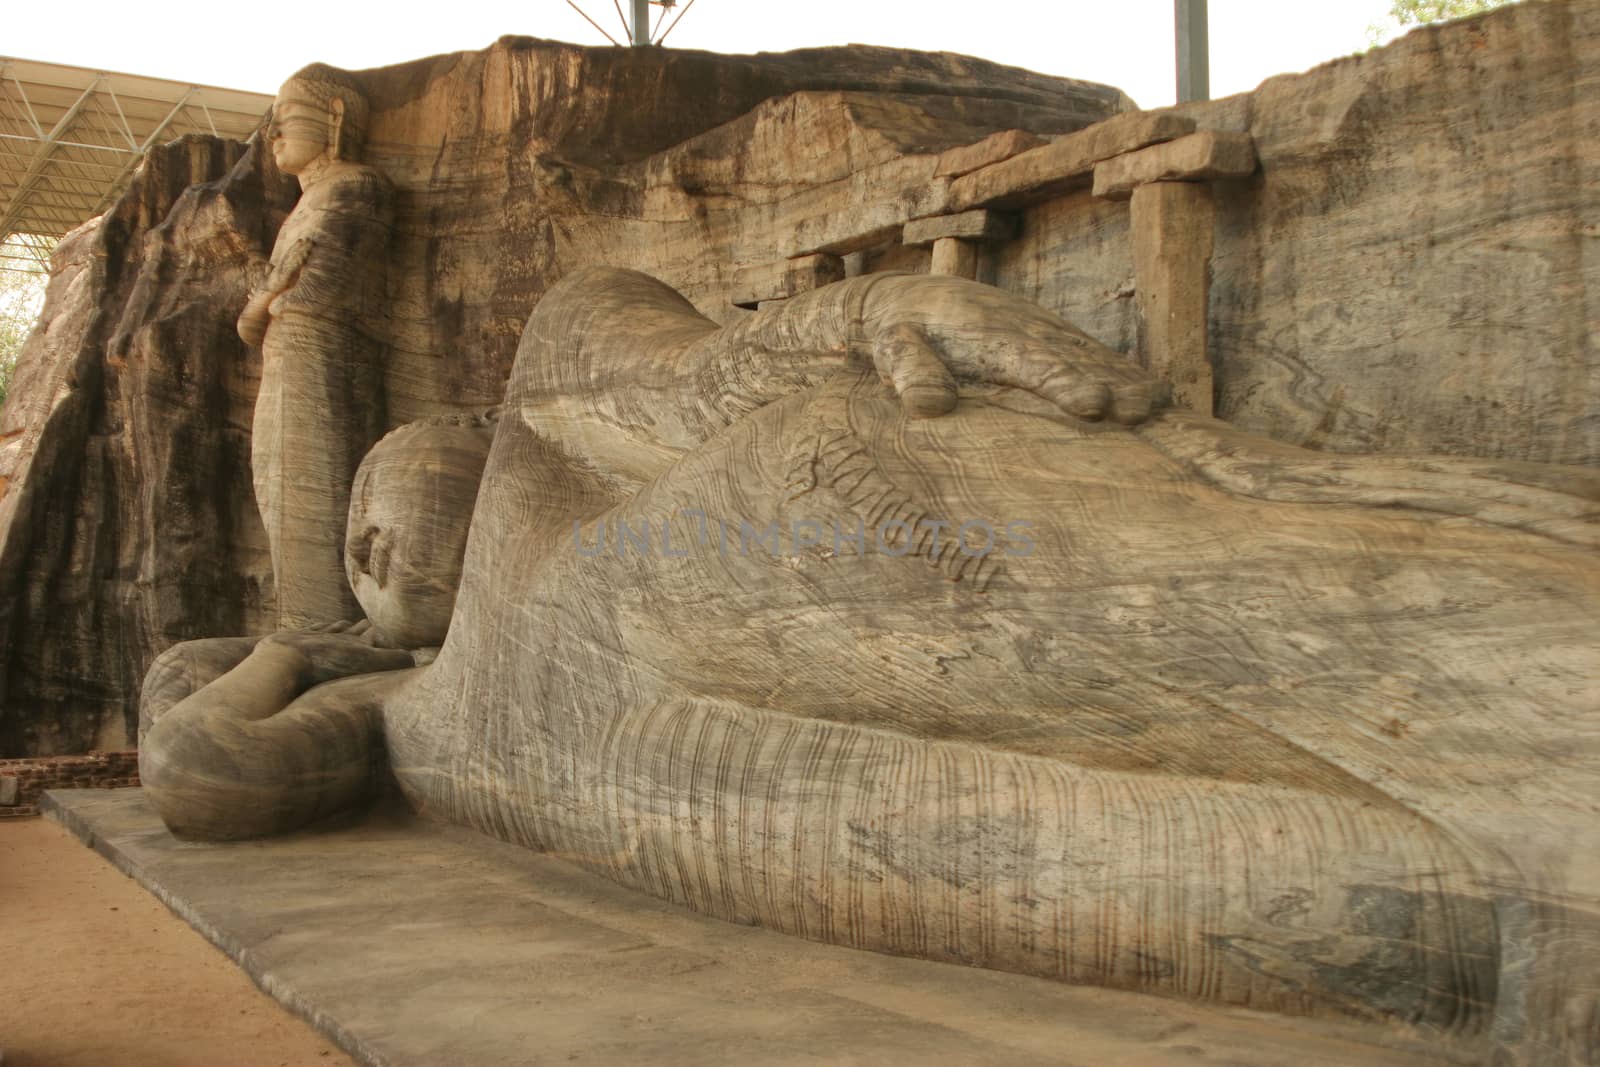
(1127,43)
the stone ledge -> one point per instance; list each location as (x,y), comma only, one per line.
(955,162)
(1065,163)
(412,943)
(1202,156)
(979,225)
(769,282)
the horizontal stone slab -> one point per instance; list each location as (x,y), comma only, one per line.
(1201,156)
(980,225)
(992,149)
(878,209)
(410,943)
(1065,163)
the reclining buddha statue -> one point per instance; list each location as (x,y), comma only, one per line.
(902,616)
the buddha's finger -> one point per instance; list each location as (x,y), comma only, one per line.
(1083,396)
(914,371)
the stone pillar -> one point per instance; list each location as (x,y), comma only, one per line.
(954,255)
(959,240)
(1172,238)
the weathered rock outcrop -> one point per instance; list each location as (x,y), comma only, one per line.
(129,523)
(1409,270)
(1414,266)
(126,523)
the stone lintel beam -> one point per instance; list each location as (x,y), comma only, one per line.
(1199,157)
(953,255)
(980,225)
(1172,226)
(1065,163)
(992,149)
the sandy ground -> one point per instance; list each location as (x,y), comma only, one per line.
(95,972)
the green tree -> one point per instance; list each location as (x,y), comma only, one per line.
(1421,12)
(22,285)
(1405,13)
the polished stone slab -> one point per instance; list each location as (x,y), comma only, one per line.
(412,943)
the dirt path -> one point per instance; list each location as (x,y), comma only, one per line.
(97,973)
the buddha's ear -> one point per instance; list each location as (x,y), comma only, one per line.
(336,127)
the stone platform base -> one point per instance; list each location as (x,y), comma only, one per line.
(410,943)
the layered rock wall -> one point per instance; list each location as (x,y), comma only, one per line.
(1411,269)
(127,519)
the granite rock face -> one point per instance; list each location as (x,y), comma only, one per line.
(1426,274)
(1414,266)
(1211,713)
(127,520)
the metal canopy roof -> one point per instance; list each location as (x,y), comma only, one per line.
(70,137)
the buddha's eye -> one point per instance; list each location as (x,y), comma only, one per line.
(378,563)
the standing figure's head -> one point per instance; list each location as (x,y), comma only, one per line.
(320,113)
(410,509)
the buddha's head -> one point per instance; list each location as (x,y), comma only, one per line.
(320,113)
(410,508)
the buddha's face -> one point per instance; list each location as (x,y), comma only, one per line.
(410,509)
(301,130)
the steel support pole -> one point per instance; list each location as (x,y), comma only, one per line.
(641,22)
(1194,51)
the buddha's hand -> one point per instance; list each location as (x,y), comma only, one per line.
(286,267)
(254,319)
(257,270)
(336,650)
(929,333)
(268,281)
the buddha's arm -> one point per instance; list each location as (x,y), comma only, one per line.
(266,747)
(925,336)
(341,269)
(623,373)
(333,263)
(275,279)
(185,668)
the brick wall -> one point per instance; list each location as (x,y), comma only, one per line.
(22,780)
